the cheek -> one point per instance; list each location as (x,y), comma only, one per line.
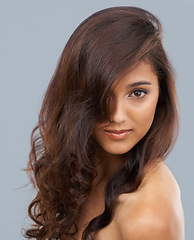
(144,115)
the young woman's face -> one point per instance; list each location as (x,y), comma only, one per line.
(132,108)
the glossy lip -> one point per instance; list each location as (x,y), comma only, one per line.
(117,134)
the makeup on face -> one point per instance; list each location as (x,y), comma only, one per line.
(132,109)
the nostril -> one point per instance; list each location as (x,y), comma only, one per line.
(117,111)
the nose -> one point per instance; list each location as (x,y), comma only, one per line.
(117,111)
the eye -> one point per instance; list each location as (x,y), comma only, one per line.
(108,98)
(138,93)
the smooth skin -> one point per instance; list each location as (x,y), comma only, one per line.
(132,107)
(154,211)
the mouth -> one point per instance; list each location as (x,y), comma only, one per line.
(118,134)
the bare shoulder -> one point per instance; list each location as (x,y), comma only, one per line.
(154,211)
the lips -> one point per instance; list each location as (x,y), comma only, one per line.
(117,134)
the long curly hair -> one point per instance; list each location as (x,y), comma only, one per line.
(61,166)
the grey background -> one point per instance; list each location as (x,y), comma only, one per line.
(32,37)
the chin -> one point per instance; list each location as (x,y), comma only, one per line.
(117,151)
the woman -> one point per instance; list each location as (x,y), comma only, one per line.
(107,122)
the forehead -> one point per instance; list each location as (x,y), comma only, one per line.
(141,73)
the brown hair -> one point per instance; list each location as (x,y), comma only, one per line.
(103,47)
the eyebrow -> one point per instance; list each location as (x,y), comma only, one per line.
(138,83)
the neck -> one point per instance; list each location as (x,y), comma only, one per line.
(106,166)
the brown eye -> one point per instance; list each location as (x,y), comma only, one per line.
(109,98)
(138,93)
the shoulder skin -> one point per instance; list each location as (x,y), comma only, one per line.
(154,211)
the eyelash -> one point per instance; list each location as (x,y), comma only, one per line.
(139,90)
